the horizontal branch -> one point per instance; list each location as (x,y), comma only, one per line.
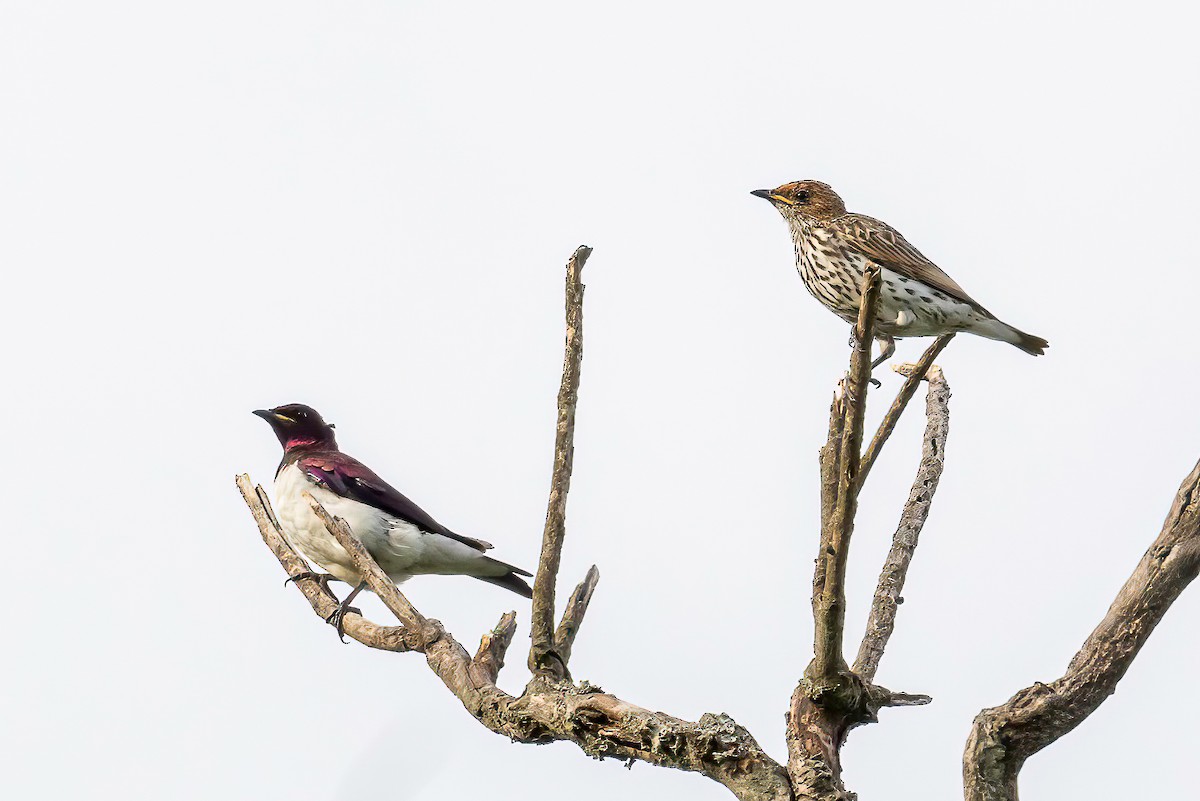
(1003,737)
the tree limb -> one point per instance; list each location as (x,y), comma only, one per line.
(907,390)
(599,723)
(544,658)
(1003,737)
(551,708)
(572,617)
(832,699)
(829,605)
(887,601)
(384,638)
(378,581)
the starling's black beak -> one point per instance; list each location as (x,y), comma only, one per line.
(765,194)
(270,416)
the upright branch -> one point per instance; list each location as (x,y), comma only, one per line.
(882,620)
(831,699)
(572,617)
(829,604)
(544,658)
(1003,737)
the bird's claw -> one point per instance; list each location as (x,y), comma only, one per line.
(337,619)
(322,579)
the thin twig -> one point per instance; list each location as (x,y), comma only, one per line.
(572,618)
(543,659)
(829,608)
(1003,737)
(887,601)
(907,390)
(384,638)
(377,580)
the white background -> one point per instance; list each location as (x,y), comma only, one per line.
(207,208)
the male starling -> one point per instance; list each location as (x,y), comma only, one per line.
(398,534)
(917,299)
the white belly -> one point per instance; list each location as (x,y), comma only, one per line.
(399,547)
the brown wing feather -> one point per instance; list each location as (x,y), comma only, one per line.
(883,244)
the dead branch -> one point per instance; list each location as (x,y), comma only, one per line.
(371,572)
(544,657)
(599,723)
(572,618)
(829,604)
(384,638)
(551,707)
(907,390)
(887,601)
(831,699)
(1003,737)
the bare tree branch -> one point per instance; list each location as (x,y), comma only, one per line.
(544,659)
(572,618)
(912,519)
(829,604)
(384,638)
(599,723)
(1003,737)
(493,645)
(831,698)
(372,573)
(907,390)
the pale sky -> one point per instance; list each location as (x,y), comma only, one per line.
(207,208)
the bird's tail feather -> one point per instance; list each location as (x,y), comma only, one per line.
(510,581)
(994,329)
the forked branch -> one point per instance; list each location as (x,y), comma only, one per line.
(831,699)
(601,724)
(544,656)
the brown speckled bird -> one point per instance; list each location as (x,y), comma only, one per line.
(917,299)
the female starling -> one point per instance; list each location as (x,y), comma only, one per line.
(916,298)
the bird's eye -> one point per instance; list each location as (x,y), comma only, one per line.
(802,196)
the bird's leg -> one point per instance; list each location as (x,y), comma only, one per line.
(338,618)
(322,579)
(888,348)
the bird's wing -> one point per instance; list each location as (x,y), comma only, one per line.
(884,245)
(352,479)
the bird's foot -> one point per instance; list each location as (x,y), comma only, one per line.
(887,348)
(338,618)
(322,579)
